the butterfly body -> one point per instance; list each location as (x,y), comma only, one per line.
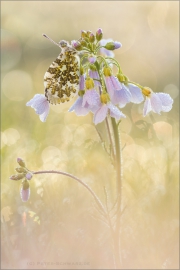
(61,80)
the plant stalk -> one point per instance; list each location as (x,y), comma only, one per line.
(118,167)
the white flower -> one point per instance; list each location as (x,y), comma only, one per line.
(41,106)
(157,102)
(102,112)
(136,93)
(78,109)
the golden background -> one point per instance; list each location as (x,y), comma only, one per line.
(59,224)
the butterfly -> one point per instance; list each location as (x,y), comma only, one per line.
(61,80)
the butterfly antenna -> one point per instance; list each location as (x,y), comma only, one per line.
(51,40)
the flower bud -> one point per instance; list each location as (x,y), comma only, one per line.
(81,93)
(81,70)
(121,77)
(113,45)
(89,33)
(99,34)
(91,37)
(21,170)
(126,78)
(92,59)
(92,67)
(18,176)
(76,44)
(89,83)
(146,91)
(105,98)
(29,176)
(21,162)
(83,43)
(25,191)
(107,71)
(83,34)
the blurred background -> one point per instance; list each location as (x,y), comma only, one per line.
(59,225)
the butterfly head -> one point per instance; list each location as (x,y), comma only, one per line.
(63,44)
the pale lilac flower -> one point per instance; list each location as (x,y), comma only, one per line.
(25,194)
(25,191)
(103,42)
(82,81)
(41,106)
(122,96)
(92,59)
(91,99)
(157,102)
(94,75)
(29,176)
(112,84)
(78,109)
(136,93)
(102,112)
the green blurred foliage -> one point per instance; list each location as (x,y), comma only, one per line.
(58,223)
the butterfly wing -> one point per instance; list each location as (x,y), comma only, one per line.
(61,80)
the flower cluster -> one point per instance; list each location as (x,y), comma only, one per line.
(25,175)
(100,91)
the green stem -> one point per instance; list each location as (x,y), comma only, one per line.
(119,188)
(140,86)
(117,64)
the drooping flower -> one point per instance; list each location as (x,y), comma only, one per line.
(122,96)
(105,108)
(82,81)
(41,106)
(25,191)
(91,98)
(118,92)
(103,111)
(156,102)
(78,109)
(136,93)
(93,73)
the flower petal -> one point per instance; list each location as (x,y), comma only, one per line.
(112,84)
(147,106)
(136,94)
(100,115)
(115,112)
(78,109)
(121,97)
(41,106)
(82,82)
(91,97)
(166,101)
(44,115)
(156,103)
(94,75)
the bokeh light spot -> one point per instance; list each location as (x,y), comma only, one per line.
(10,136)
(17,85)
(172,90)
(10,50)
(49,153)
